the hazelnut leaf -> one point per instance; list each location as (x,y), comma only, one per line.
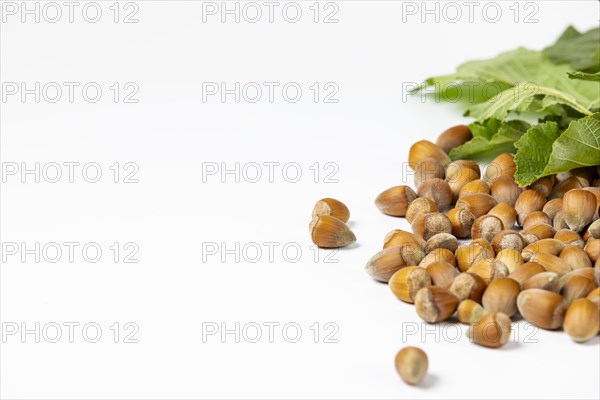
(544,151)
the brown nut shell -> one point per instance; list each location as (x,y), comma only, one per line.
(454,137)
(468,286)
(427,225)
(501,296)
(491,330)
(411,364)
(406,282)
(462,222)
(434,304)
(542,308)
(424,149)
(395,201)
(582,320)
(332,207)
(528,202)
(420,206)
(329,232)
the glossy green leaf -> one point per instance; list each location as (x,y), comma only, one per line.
(490,144)
(544,151)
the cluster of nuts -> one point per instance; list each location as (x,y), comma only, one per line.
(548,271)
(533,251)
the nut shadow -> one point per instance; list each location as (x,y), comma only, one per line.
(428,382)
(593,342)
(352,246)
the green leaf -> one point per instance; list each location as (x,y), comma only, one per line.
(534,150)
(530,77)
(509,68)
(525,97)
(578,146)
(487,144)
(584,76)
(485,129)
(448,89)
(580,50)
(542,151)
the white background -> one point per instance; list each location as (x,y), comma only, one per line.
(171,212)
